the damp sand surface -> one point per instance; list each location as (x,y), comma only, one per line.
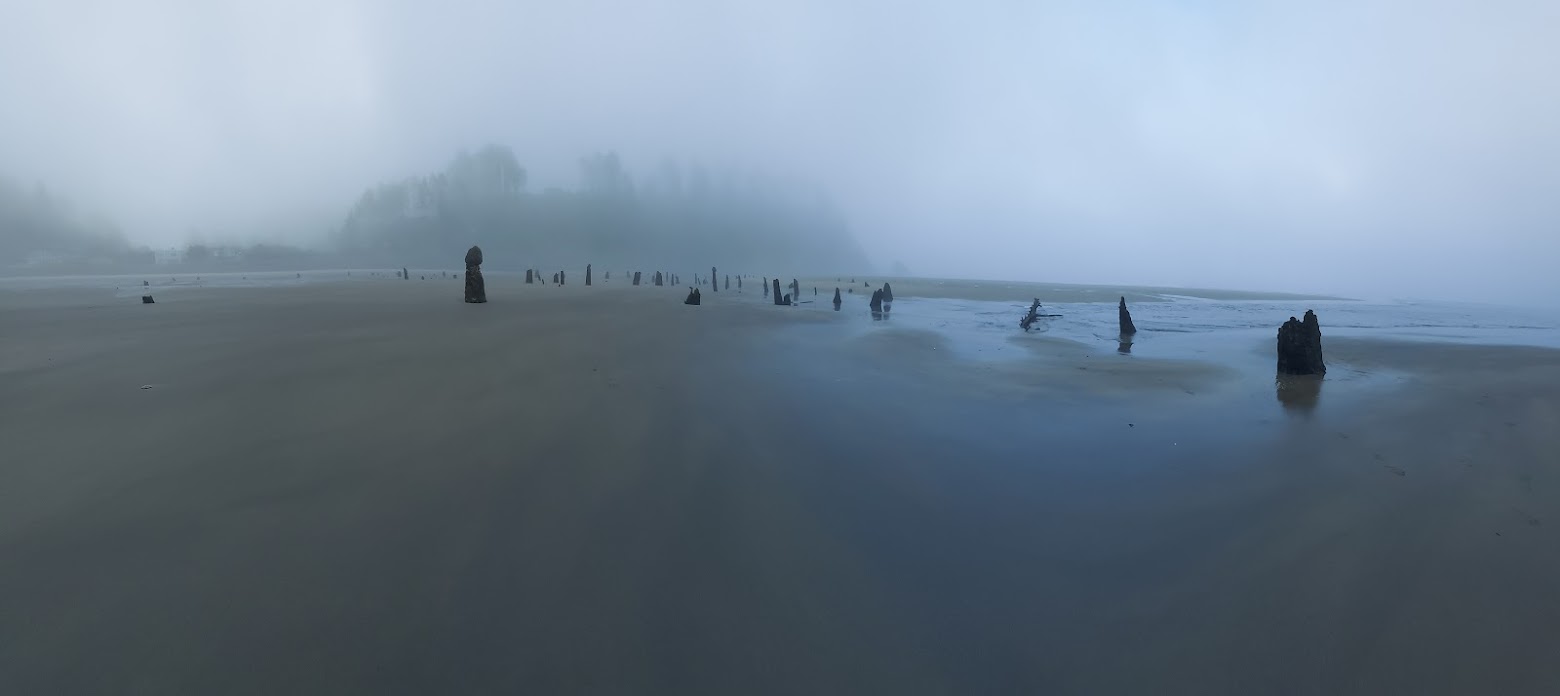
(370,486)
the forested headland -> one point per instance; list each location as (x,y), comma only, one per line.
(674,216)
(678,216)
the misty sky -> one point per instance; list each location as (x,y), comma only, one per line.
(1373,148)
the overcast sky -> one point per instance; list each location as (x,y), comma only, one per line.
(1380,148)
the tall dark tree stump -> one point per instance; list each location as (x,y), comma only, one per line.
(1300,346)
(476,289)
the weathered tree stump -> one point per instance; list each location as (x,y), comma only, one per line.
(714,280)
(527,276)
(1300,346)
(476,289)
(636,278)
(587,274)
(1125,318)
(693,296)
(836,299)
(876,303)
(778,301)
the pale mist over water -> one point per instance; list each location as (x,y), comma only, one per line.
(1402,149)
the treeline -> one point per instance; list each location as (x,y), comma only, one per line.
(41,233)
(38,228)
(674,217)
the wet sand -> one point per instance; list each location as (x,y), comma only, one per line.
(374,488)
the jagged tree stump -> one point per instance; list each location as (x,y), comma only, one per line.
(1125,318)
(1300,346)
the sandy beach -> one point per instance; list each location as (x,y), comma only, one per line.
(372,487)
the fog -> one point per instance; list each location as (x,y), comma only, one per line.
(1401,149)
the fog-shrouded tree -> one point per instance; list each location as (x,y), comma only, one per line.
(680,213)
(37,227)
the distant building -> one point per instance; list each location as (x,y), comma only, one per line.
(165,257)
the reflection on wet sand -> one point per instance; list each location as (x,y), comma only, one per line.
(1298,393)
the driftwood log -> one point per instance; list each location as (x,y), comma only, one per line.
(1033,316)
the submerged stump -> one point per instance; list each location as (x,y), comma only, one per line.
(1125,319)
(1030,318)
